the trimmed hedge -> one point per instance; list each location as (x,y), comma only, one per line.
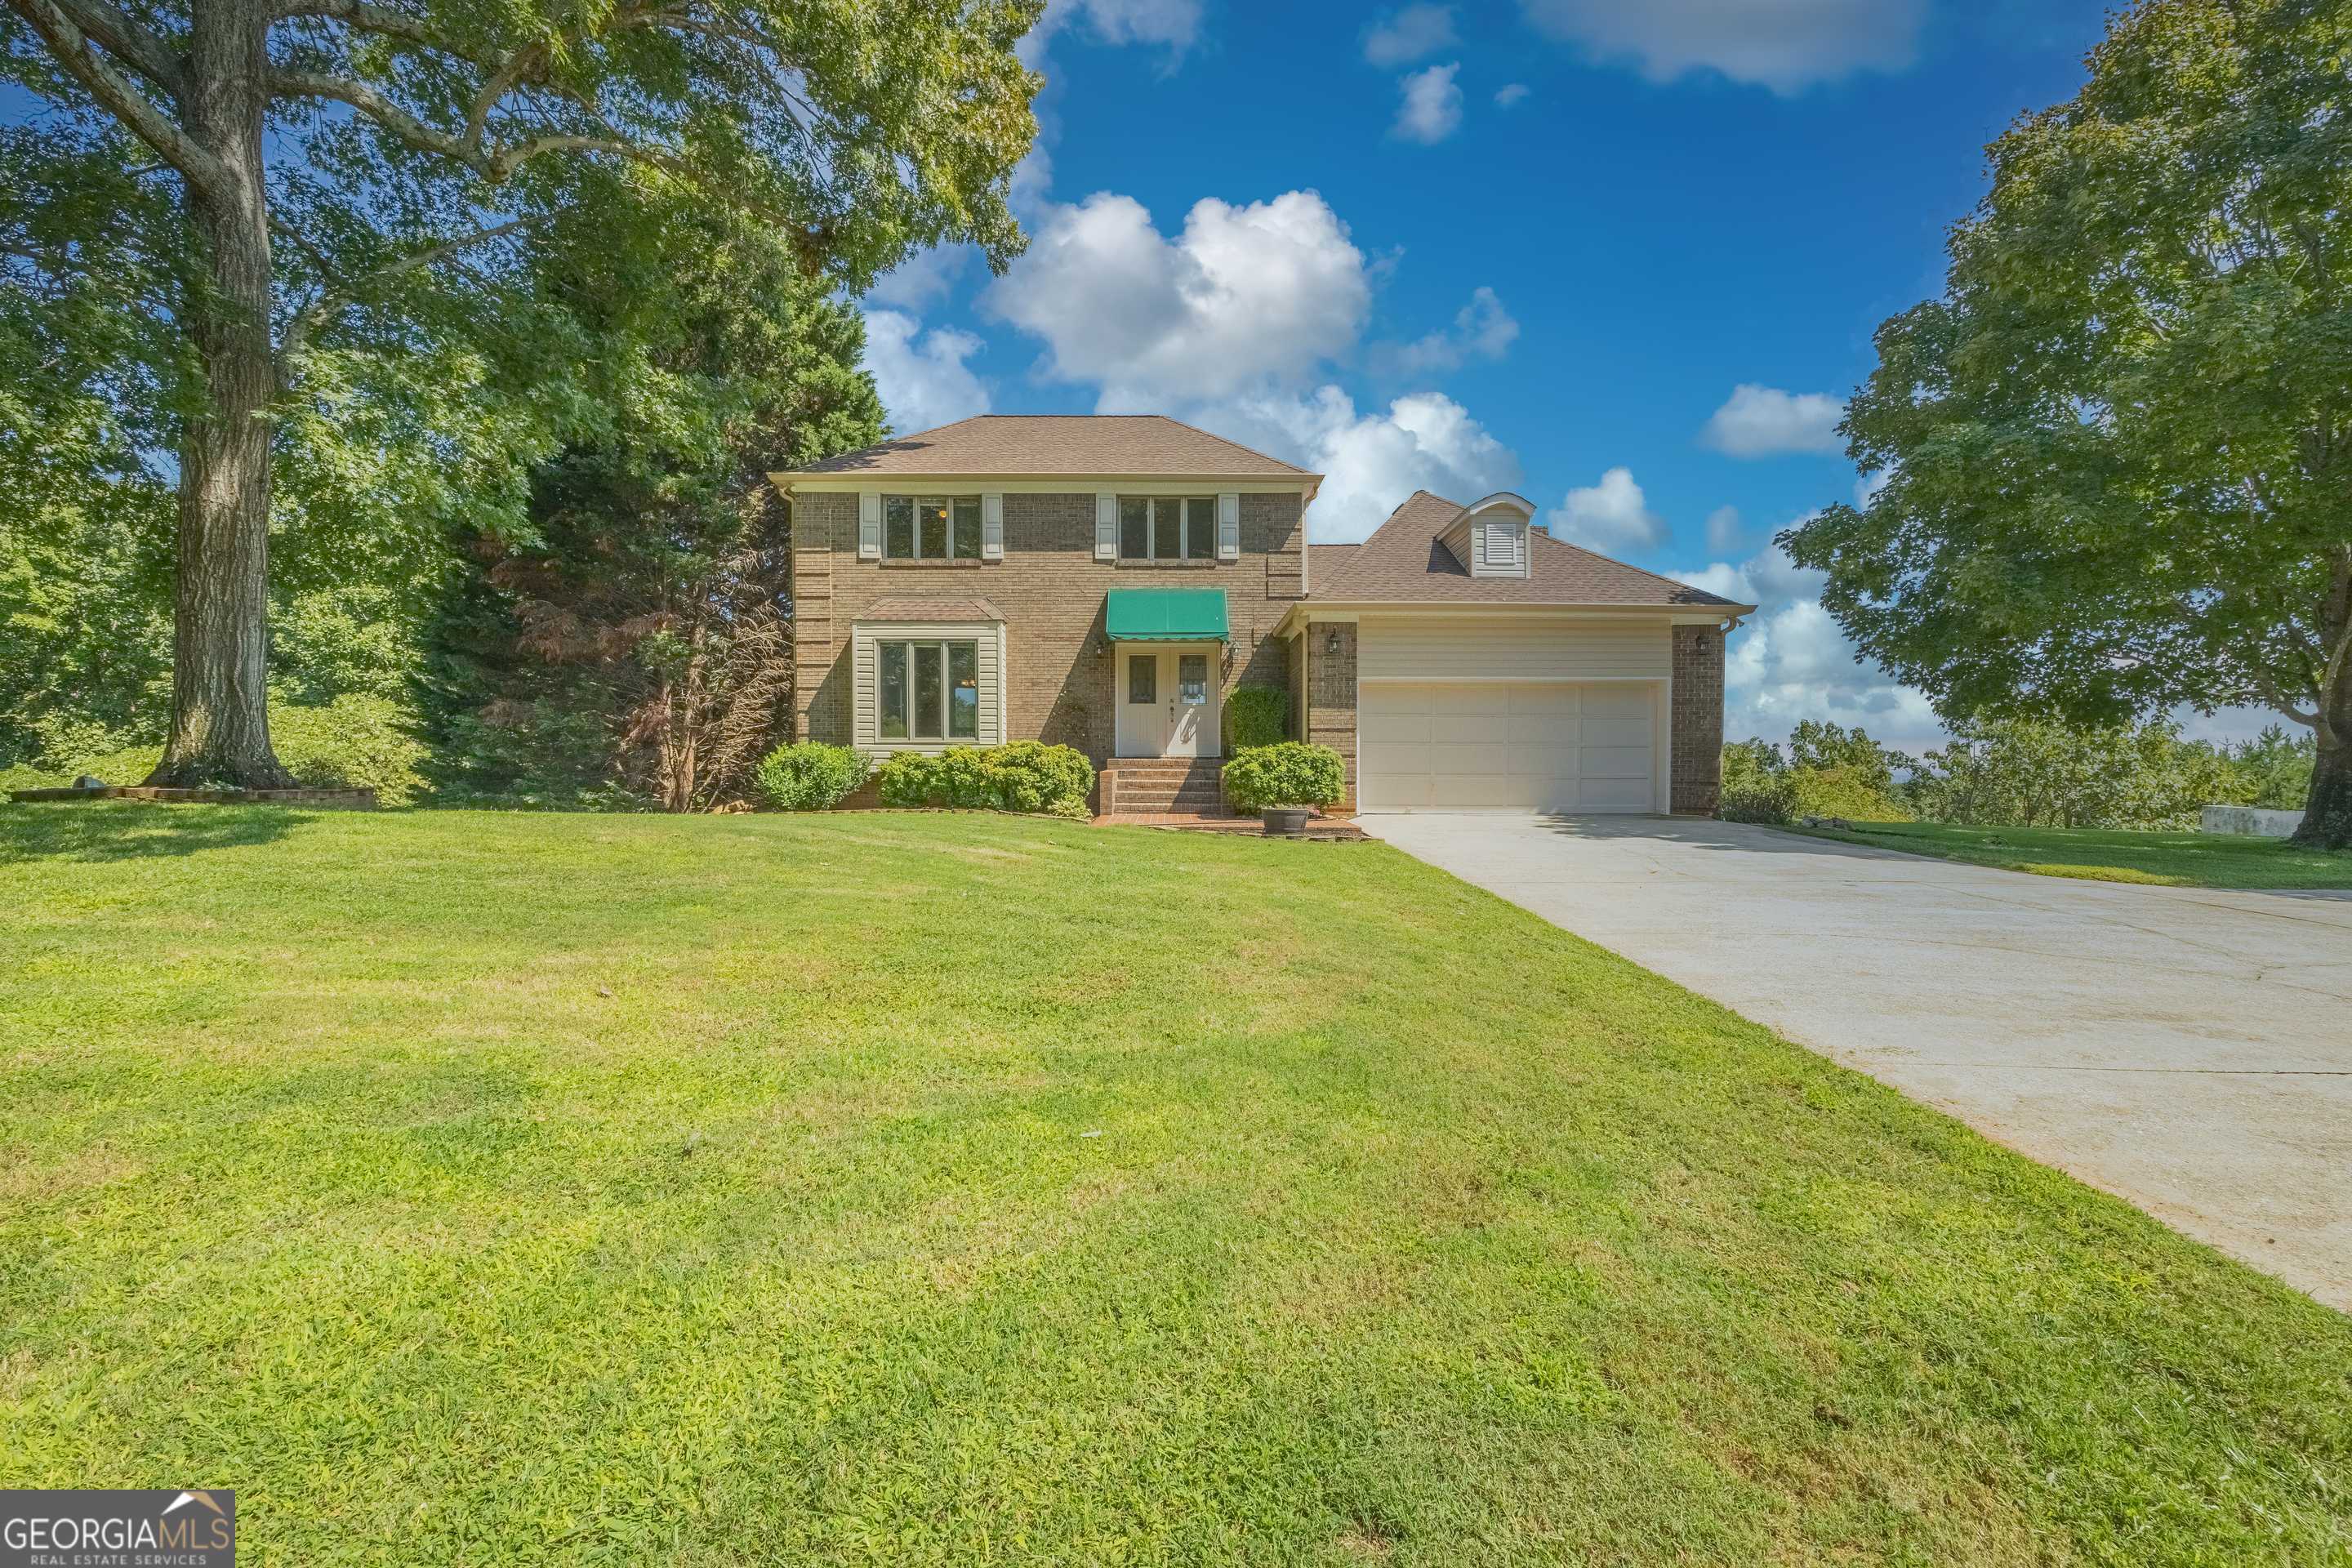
(1291,773)
(1256,716)
(809,775)
(1026,776)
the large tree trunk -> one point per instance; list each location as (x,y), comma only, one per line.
(2327,813)
(220,633)
(2327,810)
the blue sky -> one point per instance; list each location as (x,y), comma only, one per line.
(1542,245)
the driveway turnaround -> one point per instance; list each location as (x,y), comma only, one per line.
(2189,1050)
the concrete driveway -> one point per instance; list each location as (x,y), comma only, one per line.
(2189,1050)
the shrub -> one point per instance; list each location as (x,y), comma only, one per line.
(356,741)
(1290,772)
(1756,784)
(1759,797)
(1256,716)
(809,775)
(1026,776)
(905,780)
(1844,792)
(1851,777)
(1032,776)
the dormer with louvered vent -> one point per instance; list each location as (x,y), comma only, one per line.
(1490,537)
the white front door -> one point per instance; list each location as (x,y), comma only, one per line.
(1169,701)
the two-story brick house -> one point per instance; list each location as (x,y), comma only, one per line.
(1107,581)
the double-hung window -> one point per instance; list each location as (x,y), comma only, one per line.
(926,690)
(1167,528)
(931,527)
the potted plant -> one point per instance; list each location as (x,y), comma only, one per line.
(1285,783)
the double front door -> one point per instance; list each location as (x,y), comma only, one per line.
(1168,699)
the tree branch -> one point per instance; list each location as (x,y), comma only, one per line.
(366,17)
(121,98)
(318,312)
(496,166)
(114,30)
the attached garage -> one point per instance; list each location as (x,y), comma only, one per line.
(1461,659)
(1583,746)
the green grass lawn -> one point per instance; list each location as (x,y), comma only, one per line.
(2102,855)
(906,1189)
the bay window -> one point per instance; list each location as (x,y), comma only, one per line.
(926,690)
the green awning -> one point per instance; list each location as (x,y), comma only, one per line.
(1166,615)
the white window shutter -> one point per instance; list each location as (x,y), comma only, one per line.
(869,525)
(1106,527)
(992,528)
(1229,527)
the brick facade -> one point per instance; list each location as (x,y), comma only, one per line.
(1698,720)
(1329,707)
(1051,591)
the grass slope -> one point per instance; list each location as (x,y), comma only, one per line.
(2100,855)
(953,1189)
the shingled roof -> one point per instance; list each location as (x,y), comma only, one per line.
(1402,562)
(1078,444)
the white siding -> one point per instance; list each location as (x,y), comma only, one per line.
(863,664)
(1513,651)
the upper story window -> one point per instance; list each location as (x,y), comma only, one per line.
(931,527)
(1167,528)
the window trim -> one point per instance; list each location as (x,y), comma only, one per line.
(947,735)
(1187,530)
(915,525)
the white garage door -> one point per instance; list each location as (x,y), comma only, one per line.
(1507,747)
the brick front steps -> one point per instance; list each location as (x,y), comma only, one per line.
(1159,785)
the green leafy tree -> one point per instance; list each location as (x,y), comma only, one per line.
(1815,745)
(2042,772)
(2272,771)
(2119,447)
(331,167)
(634,641)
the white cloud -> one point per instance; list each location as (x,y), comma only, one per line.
(1370,462)
(1764,421)
(1431,109)
(921,279)
(1784,45)
(1482,329)
(1409,35)
(1176,24)
(1510,93)
(1866,489)
(1244,296)
(1723,530)
(1611,516)
(1792,661)
(922,375)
